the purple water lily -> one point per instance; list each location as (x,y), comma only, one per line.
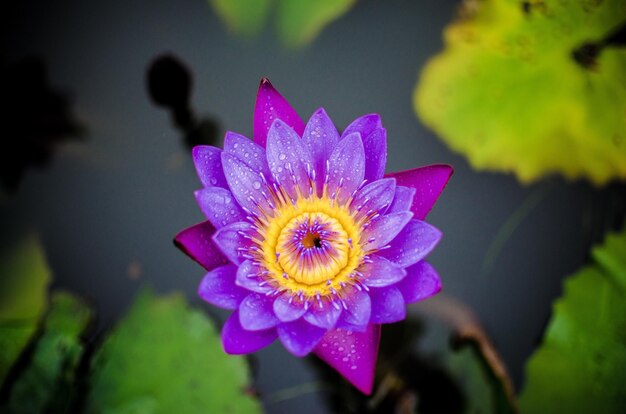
(308,240)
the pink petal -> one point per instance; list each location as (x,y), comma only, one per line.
(270,105)
(299,337)
(421,282)
(352,354)
(256,313)
(388,305)
(209,166)
(196,242)
(229,240)
(429,182)
(218,288)
(347,167)
(237,341)
(380,272)
(219,206)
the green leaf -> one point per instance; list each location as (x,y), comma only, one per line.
(47,384)
(246,17)
(300,21)
(516,89)
(163,358)
(579,367)
(24,278)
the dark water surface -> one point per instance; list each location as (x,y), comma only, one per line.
(108,207)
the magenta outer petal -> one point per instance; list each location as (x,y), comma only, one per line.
(256,313)
(218,288)
(247,151)
(385,228)
(237,341)
(356,314)
(352,354)
(245,183)
(375,147)
(286,311)
(209,166)
(364,125)
(287,158)
(388,305)
(376,196)
(414,242)
(428,181)
(320,137)
(247,278)
(347,166)
(219,206)
(380,272)
(422,282)
(229,239)
(299,337)
(324,317)
(270,105)
(402,200)
(196,243)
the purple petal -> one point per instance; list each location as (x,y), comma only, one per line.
(380,272)
(270,105)
(402,200)
(376,196)
(196,243)
(375,148)
(383,229)
(247,151)
(237,341)
(356,314)
(388,305)
(219,206)
(364,125)
(287,309)
(209,166)
(248,278)
(421,283)
(229,240)
(288,158)
(414,242)
(325,316)
(256,313)
(246,184)
(218,288)
(429,182)
(352,354)
(320,137)
(299,337)
(346,167)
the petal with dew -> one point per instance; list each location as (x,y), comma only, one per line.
(402,200)
(346,167)
(248,277)
(383,229)
(197,243)
(218,288)
(413,243)
(237,341)
(256,313)
(421,282)
(269,106)
(380,272)
(376,196)
(364,125)
(428,182)
(320,137)
(288,309)
(357,312)
(388,305)
(246,184)
(375,148)
(219,206)
(209,166)
(299,337)
(323,315)
(231,239)
(352,354)
(247,151)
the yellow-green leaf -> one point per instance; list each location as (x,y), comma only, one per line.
(246,17)
(580,366)
(516,90)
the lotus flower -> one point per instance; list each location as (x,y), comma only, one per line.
(308,240)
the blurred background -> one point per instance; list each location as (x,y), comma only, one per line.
(101,102)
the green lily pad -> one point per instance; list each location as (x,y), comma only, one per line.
(164,357)
(47,384)
(580,366)
(24,278)
(298,21)
(533,88)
